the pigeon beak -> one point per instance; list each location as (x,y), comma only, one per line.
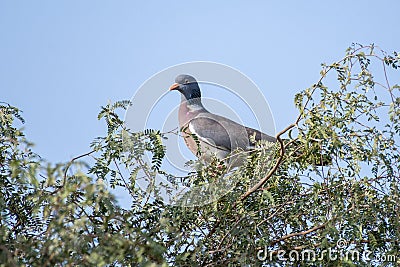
(174,86)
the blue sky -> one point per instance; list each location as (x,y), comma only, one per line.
(61,60)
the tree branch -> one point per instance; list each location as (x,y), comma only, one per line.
(273,170)
(303,233)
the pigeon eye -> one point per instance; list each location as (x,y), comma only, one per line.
(186,81)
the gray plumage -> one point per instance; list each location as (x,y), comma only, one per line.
(215,134)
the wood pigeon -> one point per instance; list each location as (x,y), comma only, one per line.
(207,134)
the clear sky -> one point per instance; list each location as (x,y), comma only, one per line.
(61,60)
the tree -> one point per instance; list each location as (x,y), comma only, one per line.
(281,211)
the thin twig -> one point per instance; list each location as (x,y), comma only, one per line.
(123,179)
(303,233)
(69,164)
(273,170)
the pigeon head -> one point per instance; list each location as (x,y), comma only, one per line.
(188,87)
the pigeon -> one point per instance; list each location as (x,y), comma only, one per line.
(207,134)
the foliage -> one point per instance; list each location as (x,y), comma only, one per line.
(283,205)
